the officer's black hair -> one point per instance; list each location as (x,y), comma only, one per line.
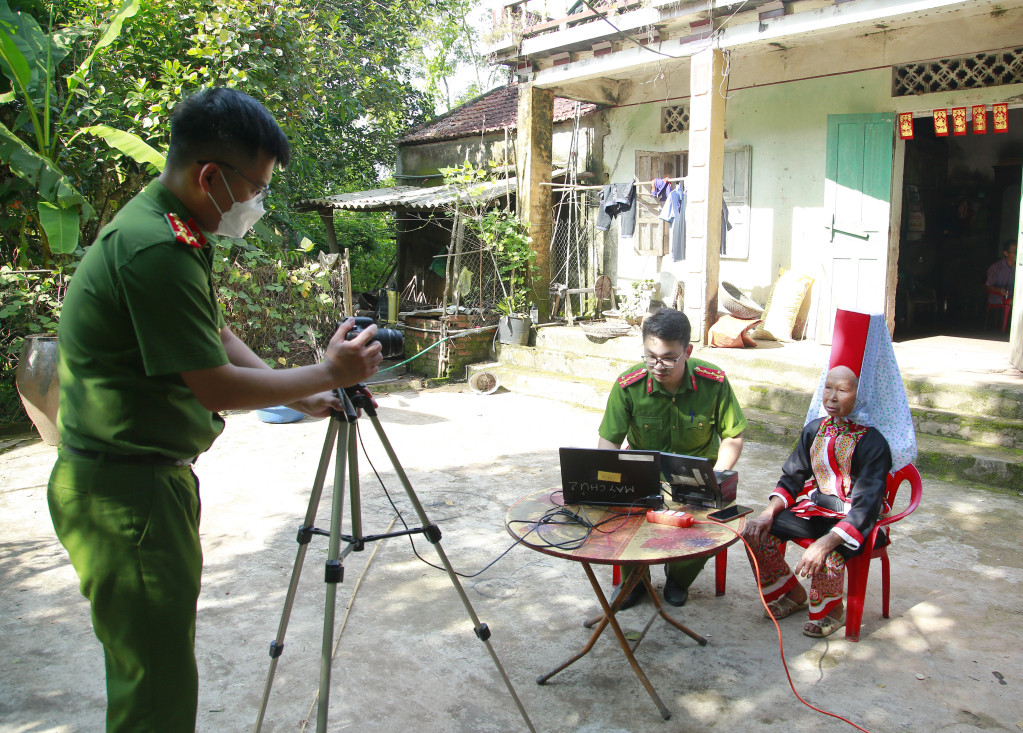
(223,124)
(668,324)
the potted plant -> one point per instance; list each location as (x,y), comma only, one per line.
(509,242)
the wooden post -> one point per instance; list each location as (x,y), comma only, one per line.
(327,216)
(703,190)
(533,168)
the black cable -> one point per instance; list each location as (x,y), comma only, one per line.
(401,518)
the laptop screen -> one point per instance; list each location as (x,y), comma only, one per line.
(609,477)
(693,480)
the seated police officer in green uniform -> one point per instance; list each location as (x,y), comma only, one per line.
(146,363)
(674,404)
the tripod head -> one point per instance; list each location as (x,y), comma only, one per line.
(356,397)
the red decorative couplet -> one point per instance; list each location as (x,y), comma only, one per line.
(905,125)
(941,122)
(979,119)
(1000,117)
(959,121)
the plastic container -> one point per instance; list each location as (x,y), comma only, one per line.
(279,414)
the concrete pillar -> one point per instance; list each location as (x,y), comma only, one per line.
(533,167)
(703,190)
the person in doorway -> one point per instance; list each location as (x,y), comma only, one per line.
(674,404)
(832,487)
(146,363)
(1001,276)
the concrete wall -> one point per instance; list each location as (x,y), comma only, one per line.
(428,158)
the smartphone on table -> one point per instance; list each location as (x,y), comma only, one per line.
(729,513)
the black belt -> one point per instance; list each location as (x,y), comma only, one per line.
(149,459)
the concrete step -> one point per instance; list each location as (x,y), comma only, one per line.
(794,367)
(943,455)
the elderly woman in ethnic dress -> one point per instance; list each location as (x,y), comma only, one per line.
(832,487)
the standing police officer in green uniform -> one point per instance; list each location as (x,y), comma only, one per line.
(146,363)
(674,404)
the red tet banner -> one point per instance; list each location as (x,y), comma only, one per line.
(979,119)
(905,125)
(1000,117)
(941,122)
(959,121)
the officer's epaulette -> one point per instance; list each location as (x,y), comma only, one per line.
(185,233)
(627,380)
(718,375)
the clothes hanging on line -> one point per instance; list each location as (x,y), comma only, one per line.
(618,200)
(674,212)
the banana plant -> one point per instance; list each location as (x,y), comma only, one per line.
(30,148)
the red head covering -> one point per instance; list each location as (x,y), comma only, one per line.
(849,340)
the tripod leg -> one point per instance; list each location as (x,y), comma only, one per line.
(304,535)
(334,572)
(432,533)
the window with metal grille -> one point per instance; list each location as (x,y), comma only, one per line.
(965,72)
(675,118)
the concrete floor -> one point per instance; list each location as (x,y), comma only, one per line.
(947,660)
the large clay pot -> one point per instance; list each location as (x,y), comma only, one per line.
(37,383)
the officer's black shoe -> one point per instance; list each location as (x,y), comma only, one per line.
(636,595)
(675,594)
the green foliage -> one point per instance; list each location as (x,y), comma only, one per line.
(32,142)
(283,312)
(508,239)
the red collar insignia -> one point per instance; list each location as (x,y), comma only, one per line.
(185,233)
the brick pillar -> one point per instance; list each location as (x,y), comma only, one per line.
(533,167)
(703,191)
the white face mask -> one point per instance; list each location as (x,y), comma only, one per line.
(238,220)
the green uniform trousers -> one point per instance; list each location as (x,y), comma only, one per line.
(683,572)
(132,532)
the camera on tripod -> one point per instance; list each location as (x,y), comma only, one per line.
(392,341)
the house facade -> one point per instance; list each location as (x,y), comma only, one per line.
(791,111)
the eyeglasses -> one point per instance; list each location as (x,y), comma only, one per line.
(666,362)
(264,191)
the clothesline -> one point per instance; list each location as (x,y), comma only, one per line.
(577,187)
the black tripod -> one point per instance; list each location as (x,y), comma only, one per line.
(353,399)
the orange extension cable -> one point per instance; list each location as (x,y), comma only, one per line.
(781,646)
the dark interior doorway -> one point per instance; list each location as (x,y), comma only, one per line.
(961,202)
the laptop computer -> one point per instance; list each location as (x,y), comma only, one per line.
(607,477)
(694,481)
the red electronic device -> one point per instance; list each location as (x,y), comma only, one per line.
(670,517)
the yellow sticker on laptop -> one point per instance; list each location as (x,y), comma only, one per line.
(609,476)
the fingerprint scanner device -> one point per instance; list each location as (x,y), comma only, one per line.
(694,481)
(607,477)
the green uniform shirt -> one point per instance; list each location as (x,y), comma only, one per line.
(691,422)
(139,310)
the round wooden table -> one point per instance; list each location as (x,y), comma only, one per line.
(542,523)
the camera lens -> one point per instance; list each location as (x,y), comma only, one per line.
(392,342)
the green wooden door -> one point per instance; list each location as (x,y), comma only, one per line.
(857,201)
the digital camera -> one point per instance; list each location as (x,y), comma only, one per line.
(392,341)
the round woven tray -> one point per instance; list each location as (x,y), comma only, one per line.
(606,329)
(732,300)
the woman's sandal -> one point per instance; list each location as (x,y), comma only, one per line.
(825,627)
(784,606)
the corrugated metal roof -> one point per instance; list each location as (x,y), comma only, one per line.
(412,197)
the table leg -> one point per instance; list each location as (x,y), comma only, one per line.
(609,618)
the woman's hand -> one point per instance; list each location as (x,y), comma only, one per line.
(812,561)
(757,529)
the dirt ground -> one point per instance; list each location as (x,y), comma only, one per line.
(406,656)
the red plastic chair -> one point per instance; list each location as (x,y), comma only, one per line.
(858,567)
(1004,306)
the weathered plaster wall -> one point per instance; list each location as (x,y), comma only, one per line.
(429,158)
